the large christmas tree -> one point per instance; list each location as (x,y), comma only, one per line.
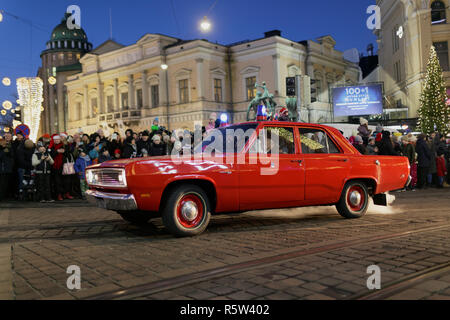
(434,113)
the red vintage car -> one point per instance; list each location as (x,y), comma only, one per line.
(249,166)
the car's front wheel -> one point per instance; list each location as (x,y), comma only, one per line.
(186,211)
(354,200)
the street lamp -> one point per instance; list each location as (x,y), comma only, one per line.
(205,25)
(1,15)
(164,66)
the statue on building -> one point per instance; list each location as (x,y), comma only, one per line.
(264,98)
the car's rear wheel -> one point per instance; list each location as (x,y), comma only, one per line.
(186,211)
(354,200)
(135,217)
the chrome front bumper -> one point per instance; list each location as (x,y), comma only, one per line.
(112,201)
(408,182)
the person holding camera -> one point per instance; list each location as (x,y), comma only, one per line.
(42,163)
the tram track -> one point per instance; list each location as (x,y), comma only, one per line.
(202,276)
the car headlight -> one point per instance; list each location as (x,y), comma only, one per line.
(107,177)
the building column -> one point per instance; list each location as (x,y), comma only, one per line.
(163,89)
(116,95)
(101,98)
(200,82)
(51,106)
(60,106)
(85,109)
(131,93)
(276,69)
(145,90)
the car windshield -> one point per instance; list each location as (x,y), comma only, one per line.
(227,139)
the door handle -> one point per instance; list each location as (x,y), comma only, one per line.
(342,160)
(225,172)
(297,161)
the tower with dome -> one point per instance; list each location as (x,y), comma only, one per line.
(60,59)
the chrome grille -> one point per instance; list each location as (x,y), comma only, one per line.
(107,177)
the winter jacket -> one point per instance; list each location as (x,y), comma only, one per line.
(129,151)
(432,146)
(441,167)
(141,145)
(102,158)
(81,164)
(409,151)
(361,148)
(386,147)
(94,154)
(6,159)
(423,153)
(371,150)
(158,150)
(24,156)
(42,166)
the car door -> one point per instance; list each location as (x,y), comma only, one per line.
(325,164)
(273,175)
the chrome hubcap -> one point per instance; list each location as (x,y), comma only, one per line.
(189,211)
(355,198)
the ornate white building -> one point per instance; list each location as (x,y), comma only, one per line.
(126,86)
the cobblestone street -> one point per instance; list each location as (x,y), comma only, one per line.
(309,253)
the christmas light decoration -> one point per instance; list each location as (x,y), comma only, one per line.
(434,112)
(30,92)
(6,81)
(7,105)
(52,80)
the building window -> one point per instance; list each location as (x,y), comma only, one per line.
(124,100)
(70,55)
(155,96)
(397,71)
(78,56)
(110,103)
(218,90)
(442,53)
(395,40)
(78,111)
(94,107)
(318,94)
(184,91)
(438,14)
(250,87)
(61,56)
(139,100)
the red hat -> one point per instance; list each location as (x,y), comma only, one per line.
(283,110)
(46,136)
(117,151)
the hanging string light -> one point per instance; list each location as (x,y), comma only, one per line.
(30,92)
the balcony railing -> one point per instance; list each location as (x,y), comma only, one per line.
(120,115)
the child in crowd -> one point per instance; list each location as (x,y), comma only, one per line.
(83,161)
(441,169)
(42,163)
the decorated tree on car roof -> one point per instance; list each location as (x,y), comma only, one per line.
(434,112)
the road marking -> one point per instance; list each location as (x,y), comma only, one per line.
(6,280)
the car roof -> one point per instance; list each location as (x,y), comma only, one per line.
(283,123)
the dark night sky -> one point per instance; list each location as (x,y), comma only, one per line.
(233,20)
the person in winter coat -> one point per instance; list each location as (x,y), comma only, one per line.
(129,148)
(364,131)
(432,177)
(60,154)
(6,166)
(386,146)
(359,145)
(441,167)
(95,148)
(158,148)
(104,155)
(372,149)
(24,154)
(424,161)
(114,143)
(284,115)
(83,161)
(144,145)
(42,163)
